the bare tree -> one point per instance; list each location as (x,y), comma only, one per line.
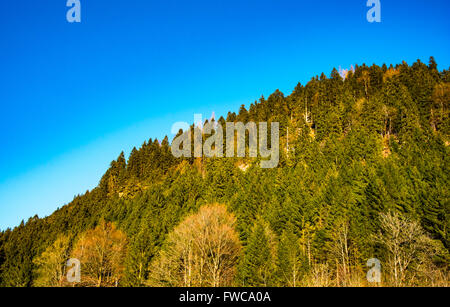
(320,275)
(407,245)
(101,252)
(202,251)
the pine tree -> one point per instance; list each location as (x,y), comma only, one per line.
(292,263)
(258,264)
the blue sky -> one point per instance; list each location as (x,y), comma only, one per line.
(74,95)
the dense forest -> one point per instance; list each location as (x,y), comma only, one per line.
(363,173)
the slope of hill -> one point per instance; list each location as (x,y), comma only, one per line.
(366,175)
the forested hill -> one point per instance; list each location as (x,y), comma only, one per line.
(364,168)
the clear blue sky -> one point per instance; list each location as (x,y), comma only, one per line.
(74,95)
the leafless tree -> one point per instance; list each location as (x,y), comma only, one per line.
(101,252)
(340,250)
(202,251)
(407,245)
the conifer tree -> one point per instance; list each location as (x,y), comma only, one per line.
(258,263)
(292,263)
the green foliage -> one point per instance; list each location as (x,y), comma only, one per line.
(374,142)
(257,266)
(292,261)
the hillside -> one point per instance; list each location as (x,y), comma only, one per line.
(364,168)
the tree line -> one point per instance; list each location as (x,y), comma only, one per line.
(363,173)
